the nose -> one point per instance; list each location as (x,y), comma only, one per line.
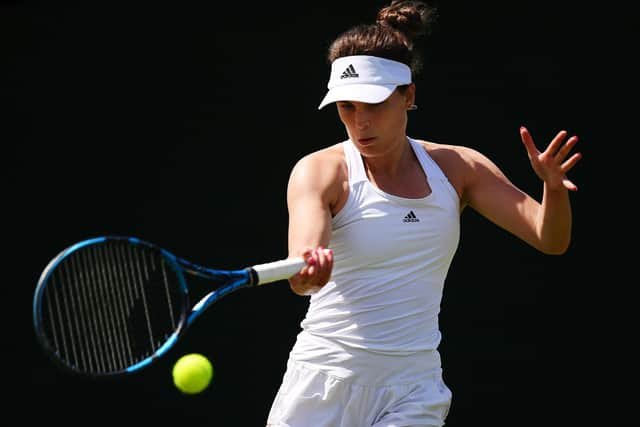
(362,120)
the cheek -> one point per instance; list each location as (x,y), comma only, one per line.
(347,121)
(344,117)
(395,121)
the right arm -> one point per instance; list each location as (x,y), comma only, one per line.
(312,192)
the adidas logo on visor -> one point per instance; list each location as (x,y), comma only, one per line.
(349,72)
(364,78)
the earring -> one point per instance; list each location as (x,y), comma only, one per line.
(412,107)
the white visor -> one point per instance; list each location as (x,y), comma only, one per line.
(364,78)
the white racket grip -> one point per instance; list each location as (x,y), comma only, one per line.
(278,270)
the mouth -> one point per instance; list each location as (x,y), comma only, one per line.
(365,141)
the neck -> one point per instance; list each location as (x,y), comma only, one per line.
(392,162)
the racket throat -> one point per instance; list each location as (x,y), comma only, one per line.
(254,278)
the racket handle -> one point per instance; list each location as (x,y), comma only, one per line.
(277,270)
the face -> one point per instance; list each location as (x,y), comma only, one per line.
(377,128)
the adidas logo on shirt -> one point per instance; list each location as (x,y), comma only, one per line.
(349,72)
(410,217)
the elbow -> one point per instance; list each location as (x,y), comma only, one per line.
(555,251)
(556,247)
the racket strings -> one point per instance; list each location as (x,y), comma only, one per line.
(109,306)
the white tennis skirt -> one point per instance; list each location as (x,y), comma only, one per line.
(364,390)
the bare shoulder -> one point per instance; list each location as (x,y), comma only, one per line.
(331,154)
(449,156)
(458,162)
(448,153)
(325,168)
(327,161)
(321,173)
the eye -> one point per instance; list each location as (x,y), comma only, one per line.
(345,106)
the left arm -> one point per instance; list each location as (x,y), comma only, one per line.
(545,225)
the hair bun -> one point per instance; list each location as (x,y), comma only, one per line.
(410,17)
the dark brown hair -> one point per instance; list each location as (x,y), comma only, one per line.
(392,36)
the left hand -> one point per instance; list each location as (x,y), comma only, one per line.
(552,164)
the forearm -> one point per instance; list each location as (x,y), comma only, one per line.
(310,231)
(308,228)
(554,221)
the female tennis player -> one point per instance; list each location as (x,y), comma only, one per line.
(388,206)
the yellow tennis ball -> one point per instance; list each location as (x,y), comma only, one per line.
(192,373)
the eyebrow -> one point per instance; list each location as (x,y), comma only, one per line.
(367,103)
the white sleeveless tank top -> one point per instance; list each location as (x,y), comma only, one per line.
(392,255)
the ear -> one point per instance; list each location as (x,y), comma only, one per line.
(410,95)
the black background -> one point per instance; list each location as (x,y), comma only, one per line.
(179,124)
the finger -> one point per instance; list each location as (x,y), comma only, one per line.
(569,185)
(307,255)
(527,140)
(310,270)
(566,148)
(555,143)
(325,256)
(324,261)
(317,252)
(569,164)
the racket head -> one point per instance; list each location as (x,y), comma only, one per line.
(110,305)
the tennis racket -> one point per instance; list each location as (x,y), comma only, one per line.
(114,305)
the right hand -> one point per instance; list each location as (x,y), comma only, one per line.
(313,276)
